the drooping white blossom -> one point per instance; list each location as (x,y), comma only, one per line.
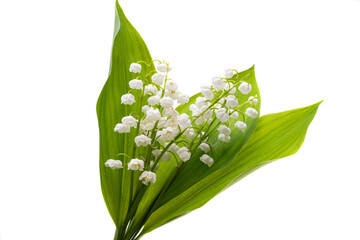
(245,88)
(135,68)
(173,94)
(207,160)
(218,83)
(182,99)
(147,177)
(184,154)
(235,115)
(136,84)
(222,137)
(229,73)
(201,101)
(153,115)
(114,164)
(222,115)
(171,85)
(142,140)
(145,108)
(127,99)
(162,67)
(158,78)
(173,148)
(150,89)
(253,101)
(190,133)
(224,130)
(153,100)
(168,133)
(241,125)
(129,121)
(208,93)
(136,164)
(204,147)
(166,102)
(251,113)
(122,128)
(231,101)
(184,120)
(146,125)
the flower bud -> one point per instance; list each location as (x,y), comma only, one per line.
(135,68)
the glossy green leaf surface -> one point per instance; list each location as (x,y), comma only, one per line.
(128,47)
(276,136)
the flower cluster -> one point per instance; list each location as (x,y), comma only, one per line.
(163,133)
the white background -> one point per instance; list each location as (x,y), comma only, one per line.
(54,60)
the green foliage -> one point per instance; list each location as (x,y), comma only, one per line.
(179,190)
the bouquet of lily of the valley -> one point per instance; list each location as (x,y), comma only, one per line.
(163,153)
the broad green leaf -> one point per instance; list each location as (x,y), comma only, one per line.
(276,136)
(128,47)
(194,170)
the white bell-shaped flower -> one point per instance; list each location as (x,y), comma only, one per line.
(184,154)
(183,99)
(222,137)
(158,78)
(241,125)
(122,128)
(136,84)
(171,85)
(129,121)
(253,101)
(153,115)
(222,115)
(190,133)
(135,68)
(184,120)
(169,133)
(229,73)
(207,160)
(204,147)
(235,115)
(245,88)
(150,89)
(114,164)
(201,101)
(231,101)
(208,93)
(166,102)
(127,99)
(251,113)
(136,164)
(147,177)
(224,130)
(163,68)
(153,100)
(173,94)
(218,83)
(145,108)
(142,140)
(146,126)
